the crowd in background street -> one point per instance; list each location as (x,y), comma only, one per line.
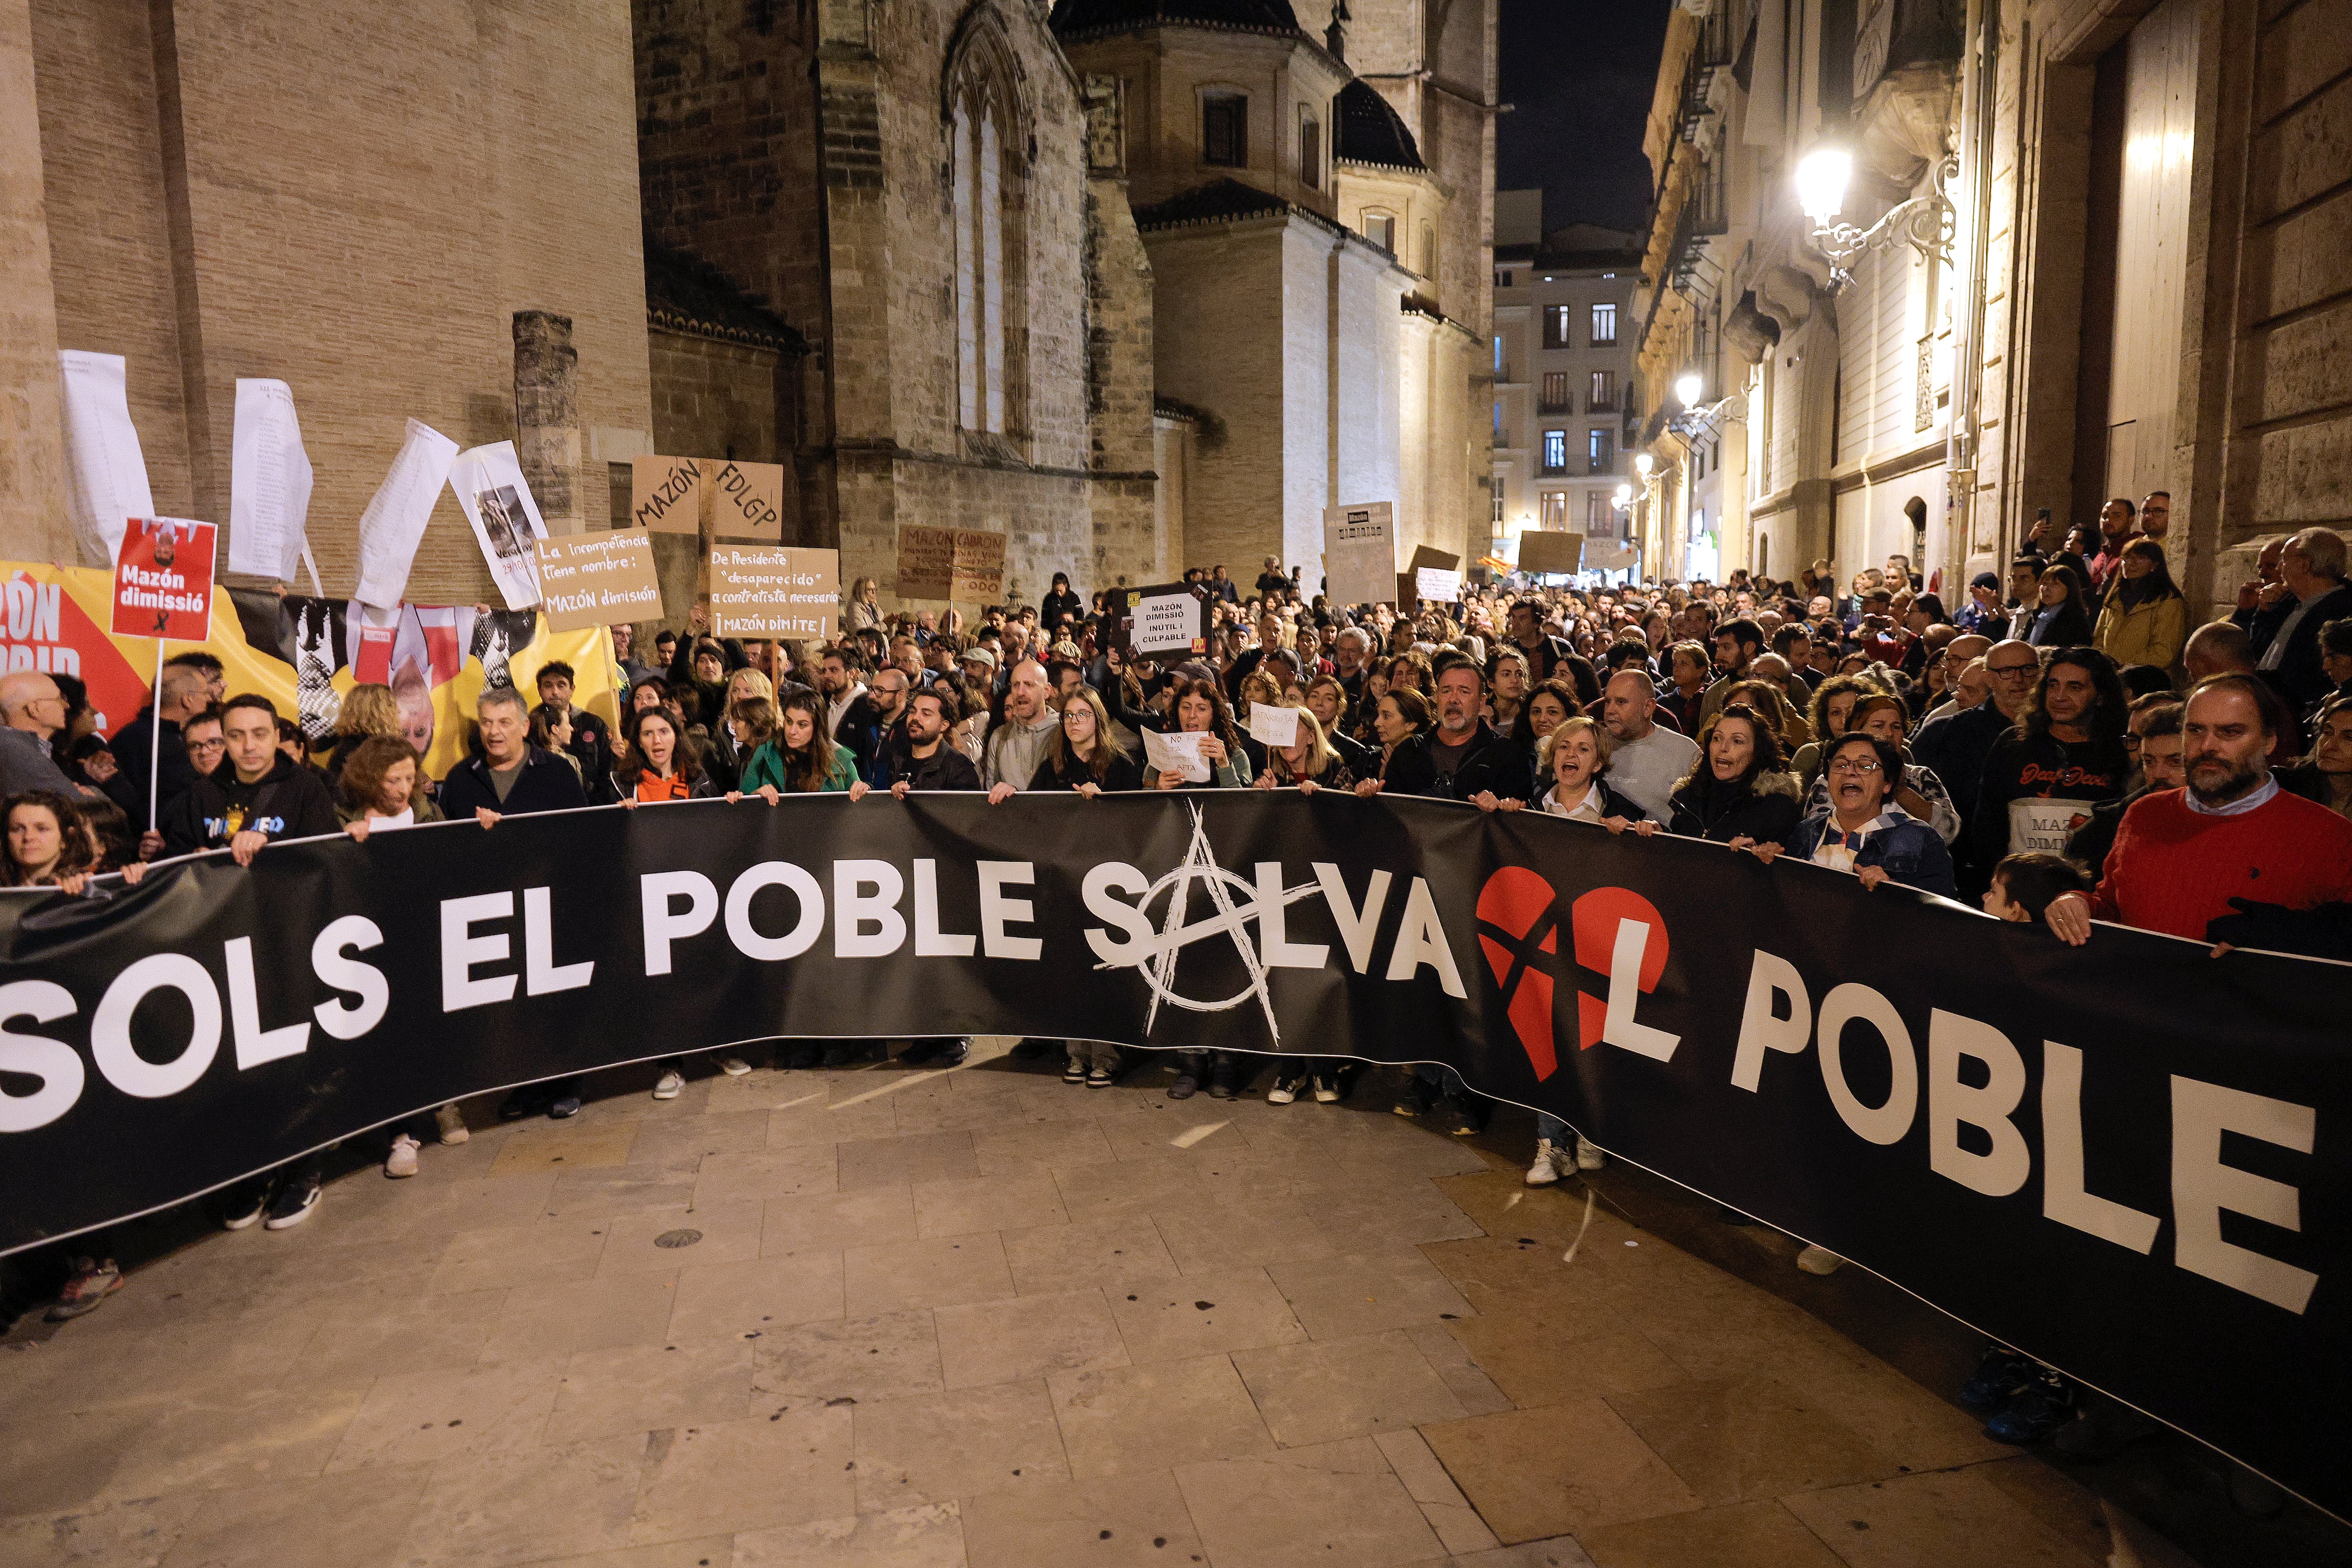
(2066,747)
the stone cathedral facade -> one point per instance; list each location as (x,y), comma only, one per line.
(1137,283)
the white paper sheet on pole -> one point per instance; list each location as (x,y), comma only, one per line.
(1273,725)
(1177,753)
(105,471)
(268,482)
(491,487)
(1437,584)
(396,516)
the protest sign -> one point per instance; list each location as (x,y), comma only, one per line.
(1437,582)
(106,472)
(667,494)
(966,564)
(497,500)
(1177,753)
(163,580)
(269,481)
(1273,725)
(746,501)
(396,514)
(1168,618)
(757,591)
(1552,552)
(598,580)
(1610,555)
(1358,552)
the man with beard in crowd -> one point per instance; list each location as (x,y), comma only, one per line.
(2186,858)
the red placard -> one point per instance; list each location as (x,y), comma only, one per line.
(164,579)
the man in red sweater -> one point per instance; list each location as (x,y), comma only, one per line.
(2181,855)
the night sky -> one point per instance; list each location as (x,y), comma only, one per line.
(1581,73)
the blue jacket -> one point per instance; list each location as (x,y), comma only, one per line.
(1911,852)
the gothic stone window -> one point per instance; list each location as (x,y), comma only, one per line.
(1224,127)
(987,122)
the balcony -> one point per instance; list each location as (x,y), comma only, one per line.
(1554,408)
(1553,471)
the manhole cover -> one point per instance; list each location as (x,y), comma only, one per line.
(677,1239)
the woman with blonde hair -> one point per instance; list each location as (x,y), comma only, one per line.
(369,708)
(1308,763)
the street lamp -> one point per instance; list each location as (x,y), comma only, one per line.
(1624,496)
(1925,223)
(1687,387)
(1642,463)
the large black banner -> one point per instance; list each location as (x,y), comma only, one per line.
(2128,1159)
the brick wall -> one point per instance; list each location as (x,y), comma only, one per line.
(354,201)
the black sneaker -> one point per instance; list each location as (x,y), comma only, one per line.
(2046,1406)
(524,1101)
(952,1054)
(1418,1098)
(295,1200)
(1100,1077)
(1074,1071)
(2001,1377)
(566,1106)
(243,1205)
(1288,1087)
(1476,1110)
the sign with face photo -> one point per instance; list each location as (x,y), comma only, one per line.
(497,500)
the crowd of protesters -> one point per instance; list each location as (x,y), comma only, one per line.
(2065,749)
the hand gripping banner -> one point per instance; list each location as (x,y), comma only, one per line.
(2129,1160)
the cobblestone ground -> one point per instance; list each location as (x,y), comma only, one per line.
(901,1319)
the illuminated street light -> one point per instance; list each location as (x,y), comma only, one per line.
(1643,463)
(1821,179)
(1687,387)
(1925,223)
(1624,495)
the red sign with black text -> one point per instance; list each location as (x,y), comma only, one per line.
(164,579)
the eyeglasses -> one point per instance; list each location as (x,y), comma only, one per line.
(209,745)
(2012,671)
(1852,765)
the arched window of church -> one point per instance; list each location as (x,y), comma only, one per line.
(983,127)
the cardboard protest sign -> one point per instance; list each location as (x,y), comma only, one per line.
(598,580)
(1358,552)
(667,494)
(1169,619)
(761,592)
(1552,552)
(1610,555)
(164,579)
(746,501)
(979,564)
(1437,582)
(966,564)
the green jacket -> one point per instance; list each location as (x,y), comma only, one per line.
(767,767)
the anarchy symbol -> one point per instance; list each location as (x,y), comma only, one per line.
(1229,920)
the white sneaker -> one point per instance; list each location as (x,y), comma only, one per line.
(1819,1260)
(1327,1091)
(1589,1156)
(450,1123)
(1546,1169)
(734,1067)
(402,1161)
(666,1086)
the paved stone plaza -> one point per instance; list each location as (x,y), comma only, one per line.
(926,1319)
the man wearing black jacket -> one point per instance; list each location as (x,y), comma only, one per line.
(1461,756)
(183,695)
(261,796)
(1546,655)
(511,777)
(917,755)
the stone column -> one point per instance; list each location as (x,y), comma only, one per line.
(37,524)
(547,417)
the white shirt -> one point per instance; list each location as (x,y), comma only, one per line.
(1585,810)
(404,817)
(2252,800)
(1646,771)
